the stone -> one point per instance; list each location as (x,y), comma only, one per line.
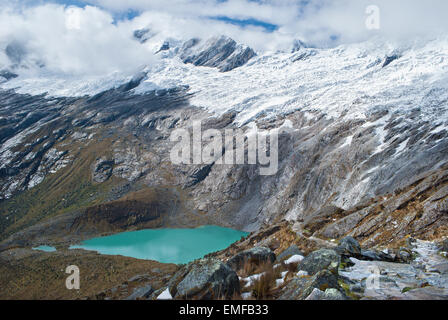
(205,279)
(141,293)
(322,280)
(329,294)
(301,288)
(373,255)
(349,247)
(356,288)
(316,294)
(441,268)
(289,252)
(405,255)
(257,255)
(427,293)
(139,277)
(323,259)
(334,294)
(102,170)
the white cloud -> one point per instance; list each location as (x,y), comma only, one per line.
(273,11)
(87,41)
(166,26)
(72,40)
(400,19)
(316,21)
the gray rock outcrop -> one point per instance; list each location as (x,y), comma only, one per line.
(102,170)
(141,293)
(256,255)
(219,52)
(301,288)
(323,259)
(289,252)
(205,279)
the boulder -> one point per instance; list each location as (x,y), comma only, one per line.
(349,247)
(301,288)
(204,279)
(316,294)
(329,294)
(322,280)
(373,255)
(141,293)
(405,255)
(291,251)
(323,259)
(102,170)
(256,255)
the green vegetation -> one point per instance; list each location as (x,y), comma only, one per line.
(347,290)
(68,190)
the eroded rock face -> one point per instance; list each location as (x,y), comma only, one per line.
(323,259)
(205,279)
(330,177)
(141,293)
(221,52)
(257,255)
(102,170)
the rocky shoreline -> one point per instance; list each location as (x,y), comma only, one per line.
(273,263)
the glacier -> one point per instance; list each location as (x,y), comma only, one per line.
(349,80)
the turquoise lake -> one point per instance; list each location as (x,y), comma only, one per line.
(165,245)
(45,248)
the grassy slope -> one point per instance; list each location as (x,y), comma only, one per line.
(41,275)
(69,189)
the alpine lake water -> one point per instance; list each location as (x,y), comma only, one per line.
(45,248)
(177,246)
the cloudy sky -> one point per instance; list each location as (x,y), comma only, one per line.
(95,35)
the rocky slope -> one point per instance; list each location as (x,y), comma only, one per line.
(362,146)
(335,271)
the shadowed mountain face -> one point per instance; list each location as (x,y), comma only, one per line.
(221,52)
(71,158)
(370,165)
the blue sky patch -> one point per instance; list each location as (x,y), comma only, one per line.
(131,14)
(268,27)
